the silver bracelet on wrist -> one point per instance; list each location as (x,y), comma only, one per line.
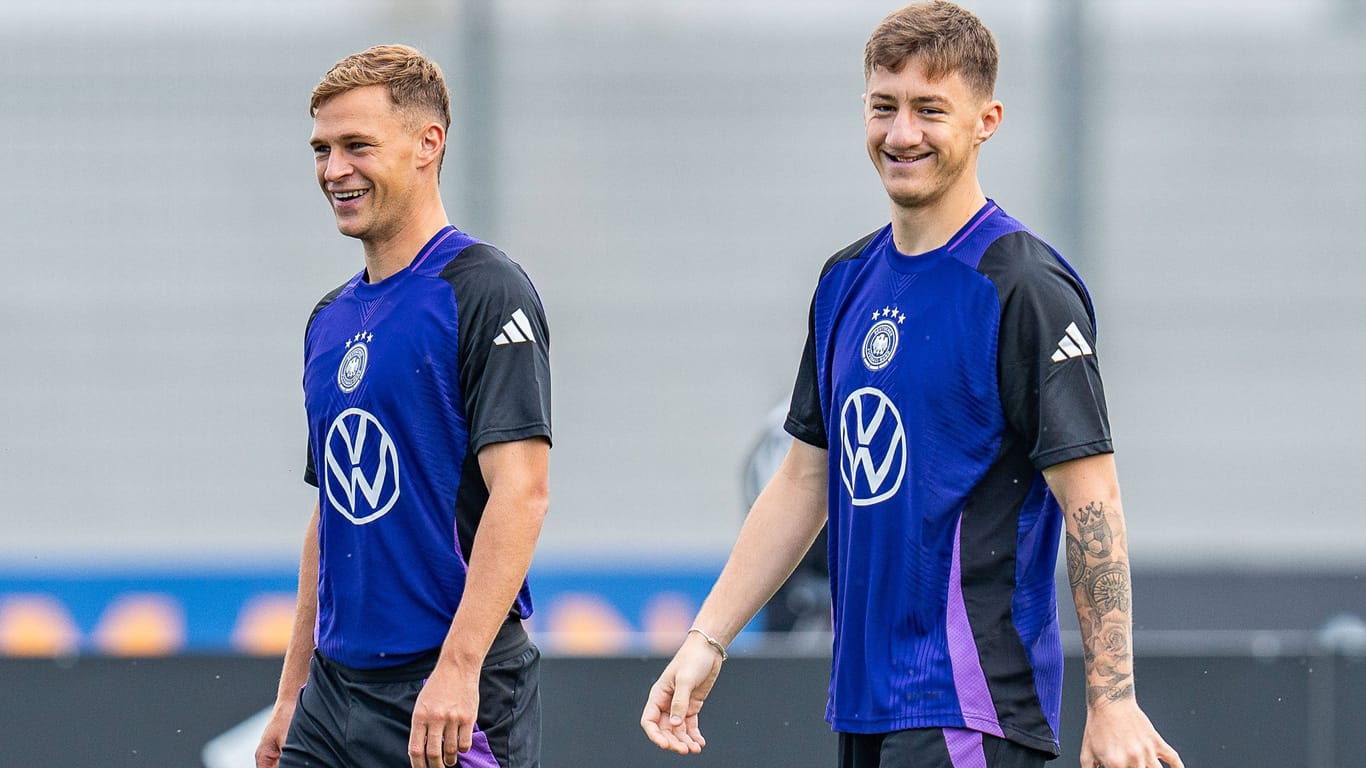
(713,642)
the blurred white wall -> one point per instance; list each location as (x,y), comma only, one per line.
(672,176)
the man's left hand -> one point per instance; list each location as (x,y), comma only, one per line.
(443,718)
(1119,735)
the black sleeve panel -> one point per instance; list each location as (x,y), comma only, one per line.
(1048,368)
(310,471)
(806,417)
(805,420)
(504,342)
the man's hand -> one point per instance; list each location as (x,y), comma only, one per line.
(670,715)
(273,737)
(1119,735)
(443,717)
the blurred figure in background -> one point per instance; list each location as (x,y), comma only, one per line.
(427,389)
(798,614)
(948,408)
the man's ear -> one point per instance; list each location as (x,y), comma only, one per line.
(989,120)
(431,142)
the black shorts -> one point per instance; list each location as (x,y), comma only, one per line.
(935,748)
(353,718)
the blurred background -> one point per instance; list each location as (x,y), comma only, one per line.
(672,175)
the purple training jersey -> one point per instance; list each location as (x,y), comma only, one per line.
(942,384)
(404,381)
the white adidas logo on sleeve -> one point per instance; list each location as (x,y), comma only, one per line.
(1072,345)
(515,331)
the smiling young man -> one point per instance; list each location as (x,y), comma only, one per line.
(951,428)
(427,390)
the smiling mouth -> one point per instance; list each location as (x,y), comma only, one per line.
(906,158)
(346,197)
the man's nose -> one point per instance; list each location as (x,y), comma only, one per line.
(337,167)
(905,130)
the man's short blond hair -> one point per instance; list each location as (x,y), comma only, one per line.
(940,36)
(415,82)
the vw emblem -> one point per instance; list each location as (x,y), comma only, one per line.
(874,447)
(362,467)
(352,368)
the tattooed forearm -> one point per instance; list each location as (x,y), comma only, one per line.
(1099,573)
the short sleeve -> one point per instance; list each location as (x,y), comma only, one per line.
(805,417)
(1048,363)
(504,348)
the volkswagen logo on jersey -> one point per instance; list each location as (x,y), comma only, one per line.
(361,478)
(874,447)
(880,343)
(352,368)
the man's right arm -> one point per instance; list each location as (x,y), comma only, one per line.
(297,654)
(782,524)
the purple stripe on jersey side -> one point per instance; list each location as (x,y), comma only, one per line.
(965,748)
(421,257)
(974,698)
(455,544)
(990,209)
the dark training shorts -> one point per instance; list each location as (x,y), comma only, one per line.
(362,718)
(934,748)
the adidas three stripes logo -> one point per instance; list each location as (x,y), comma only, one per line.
(1073,344)
(515,331)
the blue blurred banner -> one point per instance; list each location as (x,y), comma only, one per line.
(151,612)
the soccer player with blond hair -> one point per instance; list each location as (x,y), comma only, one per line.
(427,390)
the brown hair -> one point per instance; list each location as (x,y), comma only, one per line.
(415,83)
(943,37)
